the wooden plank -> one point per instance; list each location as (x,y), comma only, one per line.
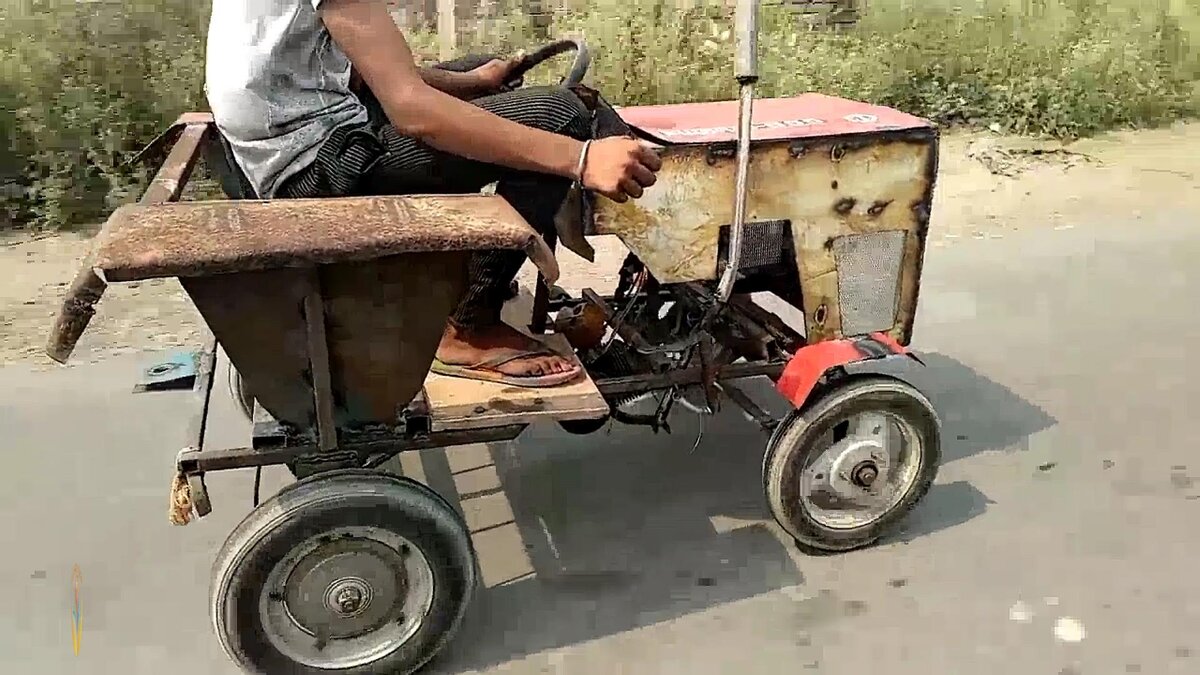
(457,403)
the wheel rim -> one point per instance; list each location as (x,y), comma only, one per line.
(346,598)
(869,463)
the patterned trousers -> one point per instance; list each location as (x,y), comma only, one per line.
(376,159)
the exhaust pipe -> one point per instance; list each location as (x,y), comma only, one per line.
(746,73)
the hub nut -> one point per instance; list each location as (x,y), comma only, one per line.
(865,475)
(349,600)
(348,597)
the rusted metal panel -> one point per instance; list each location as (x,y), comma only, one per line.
(383,320)
(256,316)
(216,237)
(826,187)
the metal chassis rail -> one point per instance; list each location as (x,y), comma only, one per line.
(329,447)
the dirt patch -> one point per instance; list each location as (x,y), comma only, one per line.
(987,185)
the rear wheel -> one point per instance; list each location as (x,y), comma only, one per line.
(348,572)
(839,472)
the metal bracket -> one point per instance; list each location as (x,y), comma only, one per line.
(206,364)
(199,491)
(326,460)
(318,359)
(709,372)
(742,400)
(415,418)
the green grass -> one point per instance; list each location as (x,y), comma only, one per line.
(85,85)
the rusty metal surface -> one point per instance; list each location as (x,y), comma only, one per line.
(202,389)
(360,447)
(173,175)
(826,188)
(383,320)
(319,363)
(78,306)
(216,237)
(256,316)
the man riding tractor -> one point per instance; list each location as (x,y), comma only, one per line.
(323,98)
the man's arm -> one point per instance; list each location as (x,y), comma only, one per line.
(367,34)
(459,85)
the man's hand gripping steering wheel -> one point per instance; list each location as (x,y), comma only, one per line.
(617,167)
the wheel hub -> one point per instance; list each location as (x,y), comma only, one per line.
(864,474)
(348,597)
(346,588)
(852,467)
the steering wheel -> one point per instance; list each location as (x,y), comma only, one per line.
(574,76)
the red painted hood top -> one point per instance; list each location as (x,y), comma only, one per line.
(804,116)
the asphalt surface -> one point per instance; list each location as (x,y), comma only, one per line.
(1061,537)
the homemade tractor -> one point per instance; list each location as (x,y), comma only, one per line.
(330,312)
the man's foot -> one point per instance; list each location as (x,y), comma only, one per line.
(501,353)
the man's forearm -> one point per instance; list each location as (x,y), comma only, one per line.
(364,30)
(458,85)
(467,130)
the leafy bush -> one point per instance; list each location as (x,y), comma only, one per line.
(86,84)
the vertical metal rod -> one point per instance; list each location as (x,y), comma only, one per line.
(318,358)
(746,72)
(741,188)
(745,25)
(202,388)
(198,427)
(541,294)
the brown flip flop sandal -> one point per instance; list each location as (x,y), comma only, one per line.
(485,370)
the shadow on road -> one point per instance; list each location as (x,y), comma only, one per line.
(978,414)
(624,530)
(627,528)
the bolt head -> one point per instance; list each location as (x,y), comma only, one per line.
(349,600)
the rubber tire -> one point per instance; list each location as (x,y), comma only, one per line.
(583,427)
(326,501)
(241,394)
(789,450)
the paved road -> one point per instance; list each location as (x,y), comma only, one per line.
(1059,359)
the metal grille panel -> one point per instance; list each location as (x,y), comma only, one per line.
(868,267)
(763,243)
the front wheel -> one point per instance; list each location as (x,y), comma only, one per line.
(349,572)
(839,472)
